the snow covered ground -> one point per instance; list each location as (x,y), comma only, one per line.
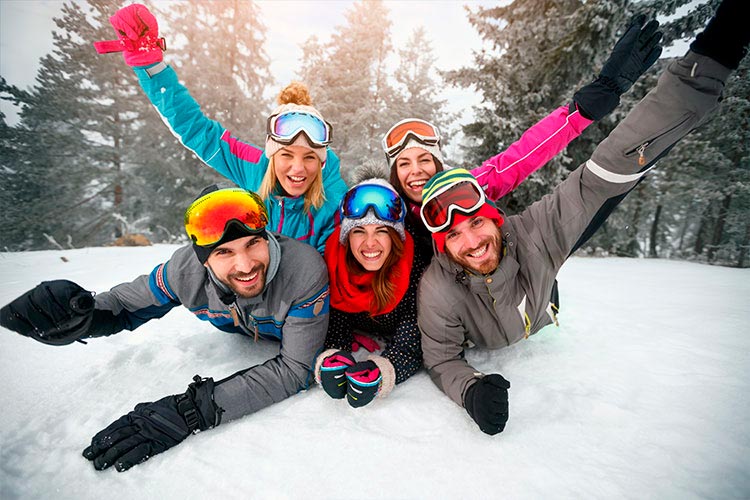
(642,392)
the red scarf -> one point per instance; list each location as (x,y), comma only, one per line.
(353,292)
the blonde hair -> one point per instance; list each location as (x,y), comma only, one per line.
(314,196)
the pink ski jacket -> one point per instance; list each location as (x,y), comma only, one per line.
(502,173)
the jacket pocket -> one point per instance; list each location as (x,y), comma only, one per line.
(658,143)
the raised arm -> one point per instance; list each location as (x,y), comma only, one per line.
(632,55)
(686,94)
(138,33)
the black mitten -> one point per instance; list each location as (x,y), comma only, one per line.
(55,312)
(152,428)
(487,403)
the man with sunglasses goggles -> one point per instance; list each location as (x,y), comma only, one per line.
(236,275)
(490,282)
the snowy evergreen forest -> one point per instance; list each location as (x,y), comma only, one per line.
(90,160)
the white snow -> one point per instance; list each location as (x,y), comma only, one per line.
(642,392)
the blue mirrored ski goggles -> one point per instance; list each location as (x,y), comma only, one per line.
(386,203)
(284,128)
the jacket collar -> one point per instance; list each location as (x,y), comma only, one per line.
(290,202)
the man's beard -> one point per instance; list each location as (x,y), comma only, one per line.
(487,266)
(248,292)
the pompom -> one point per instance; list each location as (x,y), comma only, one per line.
(295,93)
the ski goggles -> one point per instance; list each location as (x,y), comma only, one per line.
(412,128)
(465,197)
(386,203)
(207,217)
(284,128)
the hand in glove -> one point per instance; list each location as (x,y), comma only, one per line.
(138,36)
(369,344)
(152,428)
(363,383)
(55,312)
(487,403)
(332,373)
(635,52)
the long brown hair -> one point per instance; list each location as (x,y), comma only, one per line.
(383,287)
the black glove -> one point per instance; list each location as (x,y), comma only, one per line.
(362,383)
(635,52)
(54,312)
(487,403)
(154,427)
(332,376)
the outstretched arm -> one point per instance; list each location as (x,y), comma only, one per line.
(686,94)
(138,33)
(632,55)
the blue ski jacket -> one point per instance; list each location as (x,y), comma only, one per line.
(241,162)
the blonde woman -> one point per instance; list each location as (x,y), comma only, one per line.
(296,174)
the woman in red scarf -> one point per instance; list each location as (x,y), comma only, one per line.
(373,275)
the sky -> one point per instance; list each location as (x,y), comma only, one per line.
(26,25)
(643,392)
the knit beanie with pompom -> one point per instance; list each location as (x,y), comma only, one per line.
(295,97)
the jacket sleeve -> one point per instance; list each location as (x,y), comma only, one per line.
(128,305)
(502,173)
(241,162)
(442,341)
(339,335)
(404,350)
(291,371)
(686,94)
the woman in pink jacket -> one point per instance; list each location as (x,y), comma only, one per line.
(412,146)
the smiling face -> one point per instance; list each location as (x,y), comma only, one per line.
(414,167)
(370,245)
(241,264)
(296,167)
(475,244)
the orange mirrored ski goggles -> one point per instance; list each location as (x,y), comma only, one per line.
(411,128)
(207,217)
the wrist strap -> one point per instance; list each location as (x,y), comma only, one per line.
(186,408)
(156,69)
(108,46)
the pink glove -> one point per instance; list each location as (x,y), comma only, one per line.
(369,344)
(138,36)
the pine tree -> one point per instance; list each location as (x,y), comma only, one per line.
(349,83)
(216,49)
(416,89)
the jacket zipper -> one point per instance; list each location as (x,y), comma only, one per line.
(641,156)
(238,321)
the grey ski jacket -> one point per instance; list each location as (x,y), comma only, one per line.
(292,309)
(457,309)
